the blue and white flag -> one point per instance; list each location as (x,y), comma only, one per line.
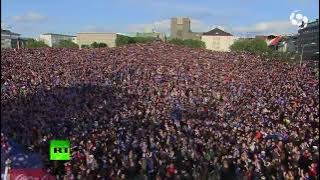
(19,156)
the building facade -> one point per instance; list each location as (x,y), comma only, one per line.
(87,38)
(288,44)
(218,40)
(308,41)
(11,40)
(181,29)
(52,39)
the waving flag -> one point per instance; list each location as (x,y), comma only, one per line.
(21,158)
(22,162)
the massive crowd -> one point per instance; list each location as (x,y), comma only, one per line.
(159,111)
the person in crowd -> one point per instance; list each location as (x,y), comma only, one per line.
(160,111)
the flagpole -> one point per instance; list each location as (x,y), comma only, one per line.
(6,170)
(5,176)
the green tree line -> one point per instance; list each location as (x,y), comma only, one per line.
(95,45)
(123,40)
(32,43)
(67,44)
(188,43)
(260,48)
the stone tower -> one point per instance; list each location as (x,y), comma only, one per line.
(180,28)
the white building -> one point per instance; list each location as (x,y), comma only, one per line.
(9,39)
(52,39)
(218,40)
(87,38)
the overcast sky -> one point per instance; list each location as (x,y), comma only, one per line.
(240,17)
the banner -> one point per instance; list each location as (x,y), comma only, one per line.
(29,174)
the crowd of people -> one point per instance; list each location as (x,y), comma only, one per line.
(160,111)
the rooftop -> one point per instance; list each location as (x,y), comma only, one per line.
(275,41)
(97,33)
(216,32)
(180,18)
(57,34)
(315,21)
(3,31)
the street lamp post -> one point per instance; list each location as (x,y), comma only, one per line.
(313,43)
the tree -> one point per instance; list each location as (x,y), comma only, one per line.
(142,39)
(188,42)
(98,45)
(257,46)
(32,43)
(176,41)
(122,40)
(67,44)
(85,46)
(94,45)
(102,45)
(194,43)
